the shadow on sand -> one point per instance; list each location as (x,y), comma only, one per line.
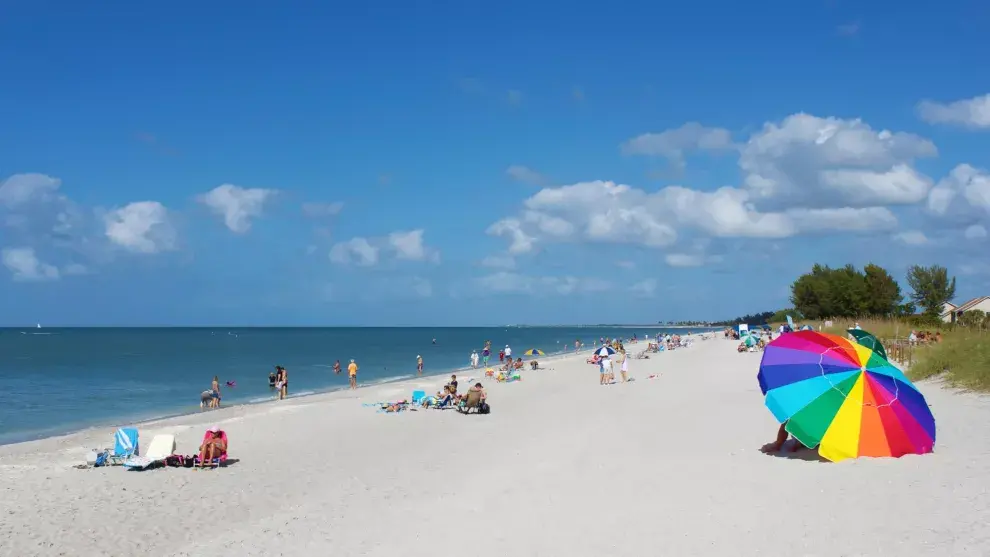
(793,450)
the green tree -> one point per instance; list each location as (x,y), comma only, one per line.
(781,315)
(973,318)
(883,294)
(931,288)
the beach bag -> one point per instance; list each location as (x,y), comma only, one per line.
(483,408)
(174,460)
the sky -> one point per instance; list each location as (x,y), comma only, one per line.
(321,163)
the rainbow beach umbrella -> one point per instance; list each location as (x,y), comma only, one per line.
(534,352)
(843,397)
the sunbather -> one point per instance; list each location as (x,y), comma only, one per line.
(212,447)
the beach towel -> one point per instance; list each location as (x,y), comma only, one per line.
(161,447)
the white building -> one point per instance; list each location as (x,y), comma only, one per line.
(951,312)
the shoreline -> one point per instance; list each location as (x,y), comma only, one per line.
(88,429)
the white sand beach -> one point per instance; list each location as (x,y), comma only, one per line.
(562,466)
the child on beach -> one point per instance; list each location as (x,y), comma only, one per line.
(625,367)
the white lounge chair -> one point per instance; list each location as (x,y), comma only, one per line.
(162,446)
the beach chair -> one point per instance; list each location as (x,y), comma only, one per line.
(162,446)
(472,402)
(217,460)
(418,396)
(125,445)
(444,403)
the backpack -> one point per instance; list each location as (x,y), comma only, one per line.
(483,408)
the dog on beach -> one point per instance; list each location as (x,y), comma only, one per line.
(204,399)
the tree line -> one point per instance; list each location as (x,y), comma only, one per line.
(848,292)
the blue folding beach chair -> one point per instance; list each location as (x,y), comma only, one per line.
(418,396)
(125,445)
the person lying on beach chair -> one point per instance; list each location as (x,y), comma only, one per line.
(518,365)
(214,448)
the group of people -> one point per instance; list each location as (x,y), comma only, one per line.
(352,371)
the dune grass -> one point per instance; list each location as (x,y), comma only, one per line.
(962,358)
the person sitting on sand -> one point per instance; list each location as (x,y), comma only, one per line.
(518,364)
(781,440)
(212,447)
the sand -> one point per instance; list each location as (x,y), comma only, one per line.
(562,466)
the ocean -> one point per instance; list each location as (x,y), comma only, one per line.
(63,380)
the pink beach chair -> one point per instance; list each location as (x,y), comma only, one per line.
(217,460)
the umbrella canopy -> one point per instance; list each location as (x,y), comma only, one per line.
(844,397)
(606,351)
(868,340)
(534,352)
(751,340)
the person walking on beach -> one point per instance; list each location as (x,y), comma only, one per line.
(625,367)
(486,353)
(419,365)
(604,366)
(501,357)
(352,369)
(508,353)
(474,358)
(284,392)
(215,392)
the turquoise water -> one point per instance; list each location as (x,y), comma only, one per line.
(61,380)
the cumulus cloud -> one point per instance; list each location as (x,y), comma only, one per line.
(830,162)
(402,244)
(20,189)
(409,245)
(24,265)
(911,237)
(141,227)
(237,205)
(970,113)
(965,191)
(975,232)
(605,212)
(525,175)
(804,174)
(358,251)
(675,144)
(509,282)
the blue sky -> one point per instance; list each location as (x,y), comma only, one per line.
(254,163)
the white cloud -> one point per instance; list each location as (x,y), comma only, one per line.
(911,238)
(409,245)
(525,175)
(646,288)
(499,262)
(689,259)
(322,210)
(605,212)
(421,287)
(966,190)
(970,113)
(508,282)
(626,264)
(236,205)
(674,144)
(975,232)
(20,189)
(141,227)
(830,162)
(24,265)
(405,245)
(519,241)
(356,250)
